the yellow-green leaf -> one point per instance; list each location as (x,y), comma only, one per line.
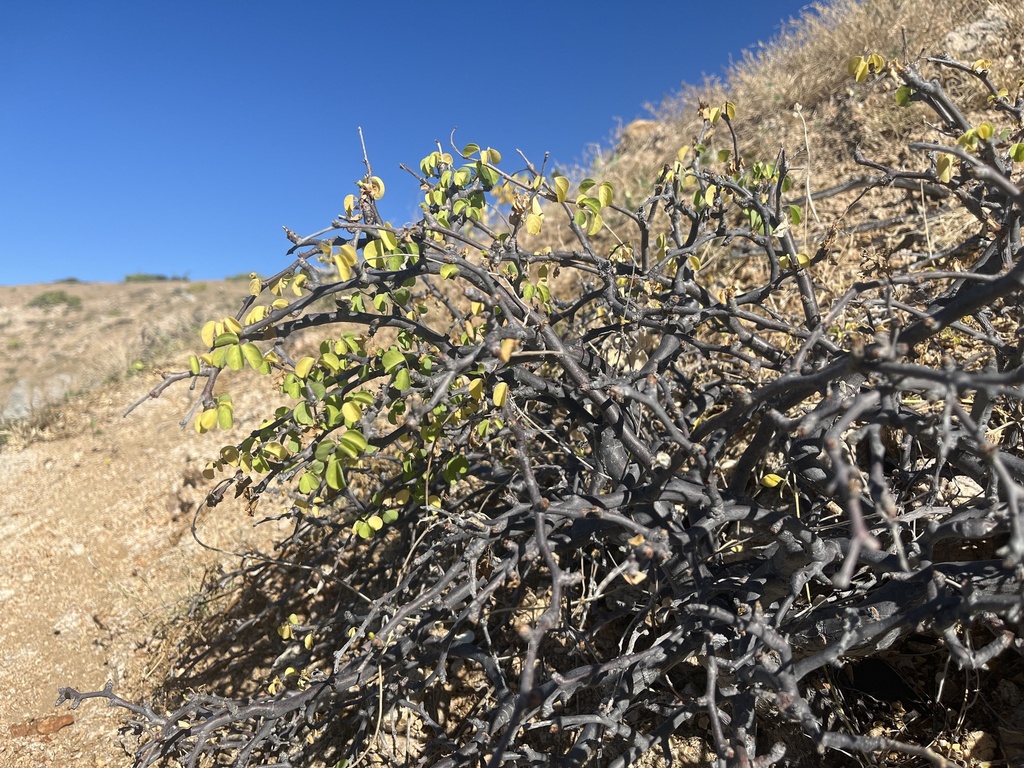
(304,367)
(334,474)
(561,188)
(858,68)
(373,252)
(208,333)
(351,412)
(389,240)
(944,167)
(206,421)
(500,394)
(234,357)
(392,359)
(403,380)
(225,416)
(253,356)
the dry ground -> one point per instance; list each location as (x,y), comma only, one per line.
(96,556)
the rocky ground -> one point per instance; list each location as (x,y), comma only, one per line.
(96,555)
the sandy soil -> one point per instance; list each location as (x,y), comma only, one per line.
(96,556)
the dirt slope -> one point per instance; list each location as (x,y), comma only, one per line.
(95,550)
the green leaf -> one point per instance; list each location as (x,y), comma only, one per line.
(904,95)
(1017,153)
(352,443)
(390,516)
(469,149)
(252,355)
(449,271)
(334,474)
(308,482)
(234,358)
(303,414)
(388,239)
(373,252)
(488,176)
(225,339)
(292,386)
(586,184)
(225,416)
(304,367)
(324,450)
(403,380)
(392,359)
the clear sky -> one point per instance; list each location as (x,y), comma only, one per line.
(178,137)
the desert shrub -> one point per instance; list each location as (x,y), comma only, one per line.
(149,277)
(51,299)
(564,503)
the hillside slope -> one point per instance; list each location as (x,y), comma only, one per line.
(95,508)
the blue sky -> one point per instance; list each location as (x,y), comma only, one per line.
(178,137)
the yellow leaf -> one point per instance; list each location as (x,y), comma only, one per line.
(858,67)
(350,204)
(352,412)
(256,314)
(772,480)
(500,394)
(508,346)
(373,252)
(376,187)
(389,240)
(255,287)
(208,333)
(476,389)
(944,167)
(561,188)
(207,420)
(304,366)
(729,110)
(534,223)
(344,270)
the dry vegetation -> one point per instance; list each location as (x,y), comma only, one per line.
(796,92)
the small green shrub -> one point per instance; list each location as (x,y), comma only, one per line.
(50,299)
(146,277)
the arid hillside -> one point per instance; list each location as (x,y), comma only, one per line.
(101,547)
